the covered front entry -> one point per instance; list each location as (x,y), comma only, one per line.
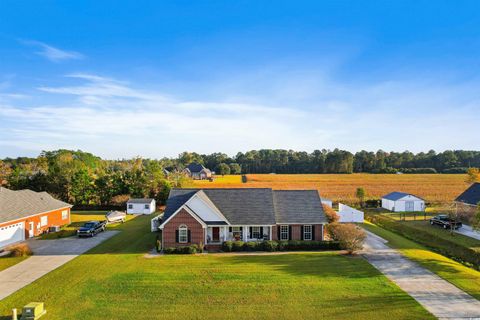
(216,235)
(12,233)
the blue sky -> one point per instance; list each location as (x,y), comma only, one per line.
(128,78)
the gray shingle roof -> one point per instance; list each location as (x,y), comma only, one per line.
(471,195)
(256,206)
(140,200)
(23,203)
(394,196)
(195,167)
(298,206)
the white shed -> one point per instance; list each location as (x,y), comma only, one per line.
(327,202)
(349,214)
(141,206)
(402,202)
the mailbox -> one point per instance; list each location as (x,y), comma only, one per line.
(33,311)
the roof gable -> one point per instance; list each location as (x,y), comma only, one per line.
(204,208)
(471,195)
(195,167)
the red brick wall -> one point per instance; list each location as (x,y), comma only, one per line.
(54,219)
(297,232)
(197,233)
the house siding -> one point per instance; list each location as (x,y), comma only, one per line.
(197,233)
(297,231)
(54,219)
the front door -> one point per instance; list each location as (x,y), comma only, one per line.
(409,206)
(30,229)
(216,234)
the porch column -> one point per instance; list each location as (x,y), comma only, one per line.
(244,233)
(271,232)
(225,233)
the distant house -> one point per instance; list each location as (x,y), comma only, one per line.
(471,196)
(212,216)
(402,202)
(348,214)
(197,171)
(25,214)
(141,206)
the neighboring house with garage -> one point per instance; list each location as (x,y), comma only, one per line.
(469,200)
(141,206)
(197,171)
(26,213)
(402,202)
(212,216)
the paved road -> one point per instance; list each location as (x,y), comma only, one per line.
(438,296)
(48,255)
(469,232)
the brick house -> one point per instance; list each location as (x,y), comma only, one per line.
(197,171)
(26,213)
(212,216)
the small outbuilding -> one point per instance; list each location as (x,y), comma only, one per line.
(402,202)
(327,202)
(141,206)
(349,215)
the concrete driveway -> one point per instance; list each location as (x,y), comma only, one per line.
(48,255)
(438,296)
(466,230)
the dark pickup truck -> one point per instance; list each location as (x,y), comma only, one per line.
(91,228)
(445,221)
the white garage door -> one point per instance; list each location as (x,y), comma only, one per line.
(11,234)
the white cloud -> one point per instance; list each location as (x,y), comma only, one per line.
(51,53)
(115,119)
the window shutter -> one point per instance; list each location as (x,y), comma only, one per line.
(177,240)
(261,232)
(289,232)
(189,236)
(301,233)
(250,233)
(230,229)
(313,232)
(278,232)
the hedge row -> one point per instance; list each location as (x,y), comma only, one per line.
(445,247)
(271,246)
(183,250)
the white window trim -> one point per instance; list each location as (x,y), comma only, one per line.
(64,214)
(256,230)
(237,230)
(147,206)
(183,233)
(130,206)
(305,232)
(282,232)
(43,221)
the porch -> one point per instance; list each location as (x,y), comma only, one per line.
(216,235)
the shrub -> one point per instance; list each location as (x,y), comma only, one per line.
(227,246)
(282,245)
(331,215)
(20,250)
(169,250)
(456,170)
(270,246)
(182,250)
(252,246)
(238,246)
(349,236)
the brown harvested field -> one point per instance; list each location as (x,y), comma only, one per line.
(435,188)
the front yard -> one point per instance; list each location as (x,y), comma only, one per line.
(116,281)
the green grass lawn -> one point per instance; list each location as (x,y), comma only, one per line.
(461,276)
(7,262)
(115,281)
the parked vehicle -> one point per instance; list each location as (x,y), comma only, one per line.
(91,228)
(116,216)
(445,221)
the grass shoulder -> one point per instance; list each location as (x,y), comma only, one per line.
(456,273)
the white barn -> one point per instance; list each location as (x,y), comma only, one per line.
(402,202)
(141,206)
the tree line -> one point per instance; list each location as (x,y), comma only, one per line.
(82,178)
